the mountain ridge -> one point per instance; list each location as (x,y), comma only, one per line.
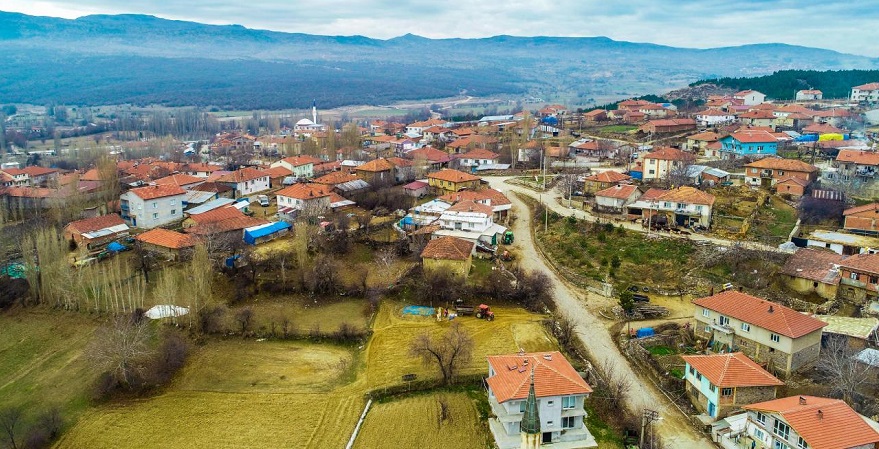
(578,68)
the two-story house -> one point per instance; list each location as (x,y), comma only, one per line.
(449,181)
(684,206)
(661,162)
(300,166)
(152,206)
(498,202)
(859,277)
(753,143)
(758,117)
(304,198)
(866,93)
(770,171)
(807,422)
(769,333)
(377,172)
(857,165)
(750,97)
(698,143)
(559,394)
(604,180)
(472,221)
(477,157)
(862,219)
(718,384)
(714,117)
(246,181)
(614,199)
(809,95)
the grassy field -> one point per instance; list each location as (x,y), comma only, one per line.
(267,394)
(42,363)
(774,223)
(617,129)
(463,429)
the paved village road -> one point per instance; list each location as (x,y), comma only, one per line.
(674,427)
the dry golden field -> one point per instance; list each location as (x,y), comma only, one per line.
(384,428)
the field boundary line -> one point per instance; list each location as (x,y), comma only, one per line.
(359,423)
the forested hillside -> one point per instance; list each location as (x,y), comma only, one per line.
(784,84)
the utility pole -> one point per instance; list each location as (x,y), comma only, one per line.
(647,418)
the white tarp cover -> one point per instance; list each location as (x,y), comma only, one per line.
(165,311)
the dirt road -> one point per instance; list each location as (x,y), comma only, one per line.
(674,428)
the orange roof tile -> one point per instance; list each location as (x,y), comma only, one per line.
(34,170)
(168,239)
(376,165)
(471,206)
(823,422)
(453,176)
(225,225)
(297,161)
(158,191)
(652,194)
(448,248)
(219,214)
(753,136)
(669,154)
(619,191)
(822,128)
(760,312)
(242,175)
(553,376)
(609,176)
(688,195)
(178,179)
(198,167)
(95,223)
(777,163)
(858,157)
(868,86)
(872,207)
(731,370)
(91,175)
(480,153)
(335,178)
(431,154)
(305,191)
(868,263)
(277,172)
(813,264)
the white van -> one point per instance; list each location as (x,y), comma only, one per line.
(263,200)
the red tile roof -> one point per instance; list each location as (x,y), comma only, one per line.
(553,376)
(335,178)
(868,86)
(858,157)
(376,166)
(813,264)
(777,163)
(753,136)
(153,192)
(178,180)
(758,114)
(867,263)
(669,154)
(91,175)
(471,206)
(872,207)
(200,167)
(823,422)
(609,176)
(298,161)
(620,191)
(731,370)
(168,239)
(277,172)
(219,214)
(448,248)
(760,312)
(242,175)
(226,225)
(431,154)
(95,223)
(652,194)
(688,195)
(34,170)
(453,176)
(480,153)
(305,191)
(822,128)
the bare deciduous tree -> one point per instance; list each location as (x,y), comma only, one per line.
(244,317)
(122,350)
(845,375)
(448,353)
(564,330)
(10,418)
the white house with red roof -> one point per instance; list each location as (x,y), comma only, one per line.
(807,422)
(779,337)
(866,92)
(152,206)
(246,181)
(614,199)
(560,394)
(718,384)
(660,162)
(750,97)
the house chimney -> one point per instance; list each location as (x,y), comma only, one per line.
(820,414)
(802,400)
(771,309)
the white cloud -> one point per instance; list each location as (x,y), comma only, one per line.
(847,26)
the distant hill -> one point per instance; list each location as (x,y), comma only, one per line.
(784,84)
(143,60)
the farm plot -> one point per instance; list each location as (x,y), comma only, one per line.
(423,426)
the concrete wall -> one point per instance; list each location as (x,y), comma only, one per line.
(826,291)
(459,267)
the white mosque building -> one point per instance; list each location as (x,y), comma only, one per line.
(306,125)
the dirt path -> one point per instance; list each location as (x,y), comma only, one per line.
(673,427)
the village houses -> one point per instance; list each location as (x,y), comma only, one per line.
(778,172)
(661,162)
(718,384)
(447,253)
(246,181)
(450,181)
(152,206)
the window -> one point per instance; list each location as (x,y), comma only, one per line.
(724,321)
(549,423)
(173,211)
(155,215)
(569,402)
(726,391)
(682,206)
(550,403)
(698,208)
(155,204)
(780,445)
(521,406)
(705,312)
(712,388)
(774,337)
(801,443)
(707,328)
(746,327)
(758,433)
(666,205)
(853,275)
(753,170)
(781,429)
(569,422)
(698,376)
(761,418)
(781,173)
(874,279)
(692,371)
(652,172)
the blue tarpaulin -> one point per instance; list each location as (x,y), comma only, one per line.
(252,234)
(419,310)
(645,332)
(115,247)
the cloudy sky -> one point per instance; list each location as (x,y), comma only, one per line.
(848,26)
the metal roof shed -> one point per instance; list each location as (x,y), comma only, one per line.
(265,232)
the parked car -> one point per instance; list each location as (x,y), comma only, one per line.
(263,200)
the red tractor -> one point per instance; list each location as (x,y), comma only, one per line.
(484,311)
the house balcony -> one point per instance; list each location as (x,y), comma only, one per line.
(853,282)
(723,328)
(502,415)
(766,174)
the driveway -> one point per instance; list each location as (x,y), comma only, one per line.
(674,427)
